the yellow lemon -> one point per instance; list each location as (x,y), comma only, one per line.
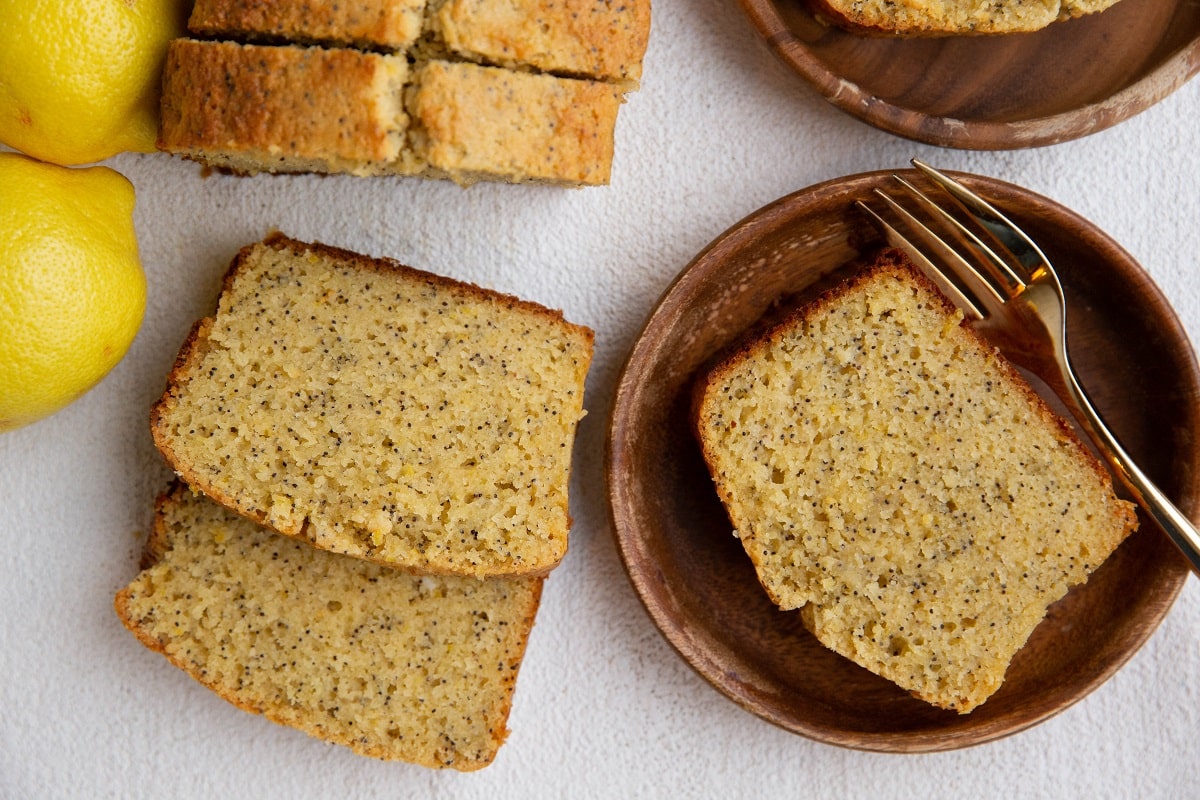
(72,290)
(79,79)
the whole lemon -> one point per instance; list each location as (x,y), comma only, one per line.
(79,79)
(72,290)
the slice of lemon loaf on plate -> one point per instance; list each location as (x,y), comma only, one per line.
(951,17)
(380,411)
(898,481)
(595,39)
(391,665)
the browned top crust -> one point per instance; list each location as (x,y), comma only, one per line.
(485,122)
(335,106)
(388,24)
(939,18)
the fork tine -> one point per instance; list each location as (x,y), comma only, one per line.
(1019,245)
(999,269)
(947,282)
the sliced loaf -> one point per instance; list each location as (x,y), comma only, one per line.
(390,25)
(593,39)
(288,108)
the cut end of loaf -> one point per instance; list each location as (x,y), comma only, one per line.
(516,92)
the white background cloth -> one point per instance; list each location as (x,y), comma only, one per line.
(604,707)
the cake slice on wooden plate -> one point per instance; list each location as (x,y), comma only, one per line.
(892,476)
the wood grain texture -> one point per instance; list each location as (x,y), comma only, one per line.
(693,576)
(994,92)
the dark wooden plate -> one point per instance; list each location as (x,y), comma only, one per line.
(995,92)
(697,582)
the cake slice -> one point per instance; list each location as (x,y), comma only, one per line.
(390,25)
(472,123)
(894,478)
(253,108)
(951,17)
(597,39)
(394,666)
(381,412)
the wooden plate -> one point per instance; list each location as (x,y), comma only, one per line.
(995,92)
(697,582)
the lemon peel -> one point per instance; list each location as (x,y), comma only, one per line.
(72,289)
(79,79)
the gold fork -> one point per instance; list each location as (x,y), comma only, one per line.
(1010,288)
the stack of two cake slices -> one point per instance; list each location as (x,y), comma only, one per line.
(411,436)
(463,89)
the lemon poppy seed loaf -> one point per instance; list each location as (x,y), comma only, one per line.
(253,108)
(593,39)
(381,412)
(472,123)
(394,666)
(952,17)
(895,479)
(596,39)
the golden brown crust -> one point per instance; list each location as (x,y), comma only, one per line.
(252,107)
(943,19)
(364,23)
(190,362)
(473,122)
(577,38)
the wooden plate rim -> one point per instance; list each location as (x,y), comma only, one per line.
(1152,88)
(649,582)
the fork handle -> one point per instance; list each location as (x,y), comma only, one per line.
(1174,522)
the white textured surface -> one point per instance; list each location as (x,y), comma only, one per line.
(604,708)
